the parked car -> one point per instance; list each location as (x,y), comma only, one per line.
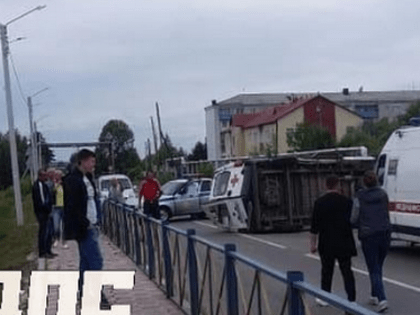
(184,197)
(104,185)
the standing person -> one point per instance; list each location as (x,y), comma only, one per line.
(58,209)
(82,213)
(149,188)
(42,201)
(331,222)
(115,191)
(370,214)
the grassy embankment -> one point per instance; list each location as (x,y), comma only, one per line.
(16,242)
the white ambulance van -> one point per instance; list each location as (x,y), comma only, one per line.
(398,170)
(278,193)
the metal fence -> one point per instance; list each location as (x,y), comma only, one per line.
(206,278)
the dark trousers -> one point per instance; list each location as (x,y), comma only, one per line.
(151,208)
(44,233)
(375,249)
(327,271)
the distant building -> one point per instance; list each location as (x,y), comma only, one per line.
(267,130)
(371,106)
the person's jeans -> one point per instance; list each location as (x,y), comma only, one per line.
(90,254)
(57,215)
(375,247)
(327,271)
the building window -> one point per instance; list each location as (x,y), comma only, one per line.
(368,111)
(222,144)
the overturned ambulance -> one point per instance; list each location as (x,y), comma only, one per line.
(258,194)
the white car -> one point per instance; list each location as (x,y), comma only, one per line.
(104,185)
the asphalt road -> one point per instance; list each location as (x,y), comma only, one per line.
(290,251)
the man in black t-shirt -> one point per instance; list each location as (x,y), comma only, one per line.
(332,235)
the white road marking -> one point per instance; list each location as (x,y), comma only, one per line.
(248,236)
(364,272)
(313,256)
(205,224)
(263,241)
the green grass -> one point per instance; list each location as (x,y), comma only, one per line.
(16,242)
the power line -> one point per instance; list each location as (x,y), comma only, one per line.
(17,78)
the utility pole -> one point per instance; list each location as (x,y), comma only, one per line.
(154,135)
(159,125)
(13,149)
(12,136)
(33,136)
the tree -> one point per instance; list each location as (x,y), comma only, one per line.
(374,135)
(199,152)
(6,179)
(309,137)
(119,151)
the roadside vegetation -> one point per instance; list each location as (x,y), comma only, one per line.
(372,135)
(16,242)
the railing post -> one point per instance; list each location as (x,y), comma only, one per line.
(137,221)
(231,281)
(126,239)
(192,267)
(167,259)
(295,302)
(151,254)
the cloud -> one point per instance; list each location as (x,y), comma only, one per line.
(106,59)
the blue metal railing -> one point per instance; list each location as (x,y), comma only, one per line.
(206,278)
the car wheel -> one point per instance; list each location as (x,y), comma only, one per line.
(165,213)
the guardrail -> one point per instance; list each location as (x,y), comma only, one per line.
(206,278)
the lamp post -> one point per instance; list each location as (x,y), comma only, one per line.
(33,137)
(13,149)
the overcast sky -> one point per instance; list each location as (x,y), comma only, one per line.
(109,59)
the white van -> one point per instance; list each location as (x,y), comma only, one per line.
(398,171)
(104,185)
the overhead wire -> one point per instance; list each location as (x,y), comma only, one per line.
(17,78)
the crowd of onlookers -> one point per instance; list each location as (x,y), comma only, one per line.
(48,200)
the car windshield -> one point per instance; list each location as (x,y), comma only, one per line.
(124,183)
(171,187)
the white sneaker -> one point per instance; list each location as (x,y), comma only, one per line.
(382,306)
(65,246)
(321,302)
(55,244)
(373,300)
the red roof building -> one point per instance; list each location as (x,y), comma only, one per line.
(258,132)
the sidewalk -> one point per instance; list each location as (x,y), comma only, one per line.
(146,298)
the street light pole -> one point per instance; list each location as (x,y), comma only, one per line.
(33,136)
(13,149)
(12,136)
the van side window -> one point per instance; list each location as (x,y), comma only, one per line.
(380,170)
(392,168)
